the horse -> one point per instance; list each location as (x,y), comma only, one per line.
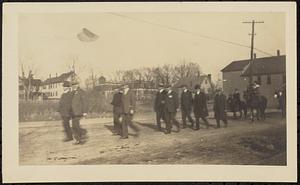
(256,102)
(237,106)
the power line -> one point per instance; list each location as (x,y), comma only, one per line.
(187,31)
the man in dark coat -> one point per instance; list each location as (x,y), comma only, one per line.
(220,108)
(200,107)
(171,107)
(79,109)
(128,108)
(65,107)
(159,105)
(117,110)
(186,101)
(236,101)
(281,95)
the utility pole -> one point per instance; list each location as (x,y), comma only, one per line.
(253,22)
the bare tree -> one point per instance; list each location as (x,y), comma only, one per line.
(118,76)
(167,72)
(28,70)
(185,70)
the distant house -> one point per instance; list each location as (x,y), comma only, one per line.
(32,85)
(203,80)
(268,71)
(52,87)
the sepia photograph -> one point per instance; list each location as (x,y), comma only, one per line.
(152,88)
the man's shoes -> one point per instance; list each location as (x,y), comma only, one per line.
(184,126)
(123,137)
(67,139)
(167,132)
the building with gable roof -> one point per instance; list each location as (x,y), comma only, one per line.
(52,87)
(269,72)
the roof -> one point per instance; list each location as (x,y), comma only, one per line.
(59,79)
(191,81)
(235,66)
(260,65)
(270,65)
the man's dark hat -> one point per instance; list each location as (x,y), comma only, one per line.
(67,84)
(197,86)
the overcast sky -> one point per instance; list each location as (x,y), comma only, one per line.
(49,41)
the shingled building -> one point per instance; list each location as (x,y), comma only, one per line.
(268,71)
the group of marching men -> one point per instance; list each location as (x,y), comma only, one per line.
(73,106)
(167,105)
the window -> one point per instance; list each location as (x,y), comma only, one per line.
(259,80)
(269,79)
(56,93)
(283,79)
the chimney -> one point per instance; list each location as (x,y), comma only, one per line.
(254,55)
(209,77)
(49,75)
(278,52)
(56,74)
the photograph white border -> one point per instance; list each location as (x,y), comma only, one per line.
(11,170)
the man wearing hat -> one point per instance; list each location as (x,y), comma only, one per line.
(159,105)
(171,107)
(200,107)
(64,108)
(128,104)
(79,109)
(236,98)
(117,110)
(186,106)
(219,107)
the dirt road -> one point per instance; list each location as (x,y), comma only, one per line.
(241,142)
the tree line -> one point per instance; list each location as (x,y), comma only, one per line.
(167,74)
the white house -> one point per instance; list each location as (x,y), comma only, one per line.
(53,86)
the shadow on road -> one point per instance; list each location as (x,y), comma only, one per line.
(110,128)
(132,126)
(148,125)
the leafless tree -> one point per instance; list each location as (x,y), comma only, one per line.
(28,70)
(186,69)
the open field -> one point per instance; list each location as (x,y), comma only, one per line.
(241,143)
